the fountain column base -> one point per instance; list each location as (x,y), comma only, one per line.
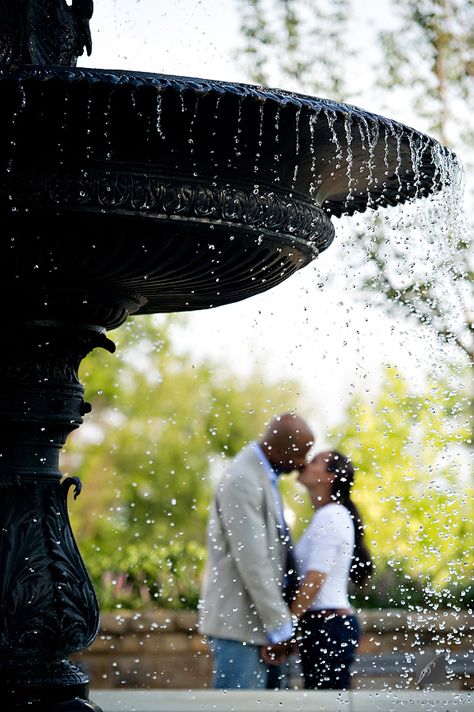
(46,687)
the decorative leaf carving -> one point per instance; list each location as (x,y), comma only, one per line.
(48,606)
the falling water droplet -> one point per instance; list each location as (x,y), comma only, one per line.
(159,111)
(260,135)
(349,159)
(191,138)
(397,134)
(297,146)
(237,134)
(276,154)
(313,120)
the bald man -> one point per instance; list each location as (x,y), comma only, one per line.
(242,610)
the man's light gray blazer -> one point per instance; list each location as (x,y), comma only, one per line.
(242,591)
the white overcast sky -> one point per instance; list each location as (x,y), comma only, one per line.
(322,336)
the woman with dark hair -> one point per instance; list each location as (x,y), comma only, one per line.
(330,552)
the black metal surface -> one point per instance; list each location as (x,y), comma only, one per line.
(48,607)
(44,31)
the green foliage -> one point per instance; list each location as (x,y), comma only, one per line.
(297,41)
(392,588)
(160,428)
(430,54)
(412,485)
(414,492)
(144,574)
(428,60)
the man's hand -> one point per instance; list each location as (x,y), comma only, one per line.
(277,653)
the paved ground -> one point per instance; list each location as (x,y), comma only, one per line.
(284,701)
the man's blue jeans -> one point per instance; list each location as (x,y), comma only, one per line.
(237,665)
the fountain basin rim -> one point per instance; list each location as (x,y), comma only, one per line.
(342,158)
(204,86)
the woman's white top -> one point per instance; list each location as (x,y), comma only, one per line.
(327,545)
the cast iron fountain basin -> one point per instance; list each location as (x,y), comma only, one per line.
(128,193)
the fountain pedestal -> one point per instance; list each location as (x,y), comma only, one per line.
(48,606)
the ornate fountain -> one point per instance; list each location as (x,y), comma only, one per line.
(127,193)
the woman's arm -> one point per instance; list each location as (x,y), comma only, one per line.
(277,654)
(307,591)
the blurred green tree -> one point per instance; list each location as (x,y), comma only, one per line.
(413,488)
(428,59)
(160,427)
(413,480)
(298,42)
